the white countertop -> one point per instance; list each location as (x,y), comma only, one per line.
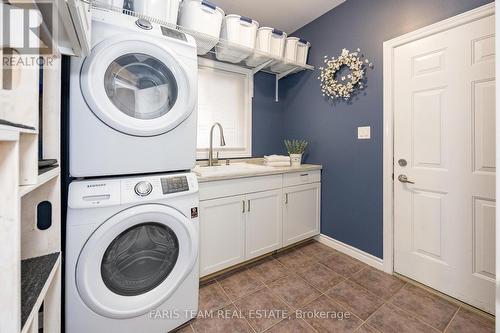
(246,168)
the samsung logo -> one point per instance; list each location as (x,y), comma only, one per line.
(95,185)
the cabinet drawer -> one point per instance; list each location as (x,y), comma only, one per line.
(226,188)
(299,178)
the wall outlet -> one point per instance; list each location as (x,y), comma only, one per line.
(364,133)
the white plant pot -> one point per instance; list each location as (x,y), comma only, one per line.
(296,160)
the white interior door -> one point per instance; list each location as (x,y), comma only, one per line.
(444,142)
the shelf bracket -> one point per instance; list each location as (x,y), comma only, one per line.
(278,78)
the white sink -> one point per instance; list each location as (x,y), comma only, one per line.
(233,169)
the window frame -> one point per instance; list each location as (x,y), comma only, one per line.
(234,152)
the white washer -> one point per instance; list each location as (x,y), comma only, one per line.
(133,100)
(132,254)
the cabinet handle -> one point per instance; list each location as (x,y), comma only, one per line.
(248,205)
(243,205)
(286,198)
(304,174)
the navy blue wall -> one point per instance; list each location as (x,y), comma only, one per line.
(352,174)
(267,122)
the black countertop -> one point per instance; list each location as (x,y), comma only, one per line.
(34,275)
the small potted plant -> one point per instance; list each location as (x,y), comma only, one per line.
(295,149)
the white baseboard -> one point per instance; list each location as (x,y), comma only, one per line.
(352,251)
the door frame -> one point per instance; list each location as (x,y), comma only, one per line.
(388,122)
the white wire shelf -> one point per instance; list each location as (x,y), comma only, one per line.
(254,59)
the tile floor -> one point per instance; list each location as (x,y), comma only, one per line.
(313,288)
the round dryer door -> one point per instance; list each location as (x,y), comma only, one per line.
(135,260)
(135,85)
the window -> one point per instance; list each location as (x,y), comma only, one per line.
(224,96)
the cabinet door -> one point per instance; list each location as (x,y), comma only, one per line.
(81,15)
(222,230)
(301,212)
(263,222)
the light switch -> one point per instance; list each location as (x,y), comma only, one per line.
(364,133)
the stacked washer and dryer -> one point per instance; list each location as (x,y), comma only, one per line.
(132,221)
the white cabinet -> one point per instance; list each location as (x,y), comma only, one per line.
(239,228)
(245,218)
(222,233)
(301,212)
(263,223)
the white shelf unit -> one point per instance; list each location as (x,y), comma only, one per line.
(46,287)
(22,189)
(265,62)
(72,19)
(42,179)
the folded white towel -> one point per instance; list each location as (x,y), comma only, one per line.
(277,158)
(278,164)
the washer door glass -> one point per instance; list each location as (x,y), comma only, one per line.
(135,260)
(140,259)
(140,86)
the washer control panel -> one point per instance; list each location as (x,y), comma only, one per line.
(143,188)
(173,34)
(174,184)
(116,191)
(144,24)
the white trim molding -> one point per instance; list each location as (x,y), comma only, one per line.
(389,49)
(497,69)
(356,253)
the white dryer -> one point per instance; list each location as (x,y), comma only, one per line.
(132,254)
(133,100)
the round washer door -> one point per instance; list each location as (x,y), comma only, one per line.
(135,260)
(135,85)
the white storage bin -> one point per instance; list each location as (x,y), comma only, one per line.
(296,50)
(270,41)
(290,55)
(302,51)
(204,17)
(112,3)
(166,10)
(291,48)
(237,31)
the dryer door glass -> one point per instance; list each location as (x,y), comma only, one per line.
(140,86)
(139,259)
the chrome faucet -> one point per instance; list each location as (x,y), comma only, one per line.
(222,143)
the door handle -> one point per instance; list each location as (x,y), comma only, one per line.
(404,179)
(243,205)
(286,198)
(248,205)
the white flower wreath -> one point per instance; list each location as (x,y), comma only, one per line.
(344,88)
